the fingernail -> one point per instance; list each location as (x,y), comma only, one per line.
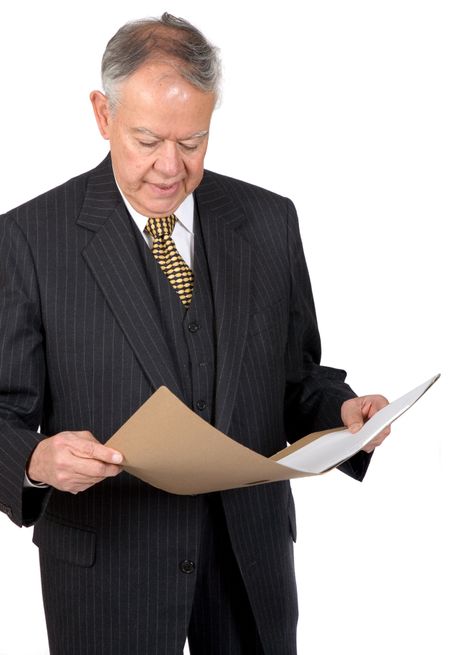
(117,458)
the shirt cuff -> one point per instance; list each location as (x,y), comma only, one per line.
(27,484)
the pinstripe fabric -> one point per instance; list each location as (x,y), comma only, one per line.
(222,622)
(83,344)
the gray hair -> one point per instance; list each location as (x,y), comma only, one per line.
(167,39)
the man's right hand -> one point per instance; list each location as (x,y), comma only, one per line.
(73,461)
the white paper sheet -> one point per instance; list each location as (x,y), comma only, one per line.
(336,447)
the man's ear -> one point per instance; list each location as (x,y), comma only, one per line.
(102,112)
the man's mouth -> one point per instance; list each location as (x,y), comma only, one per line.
(165,189)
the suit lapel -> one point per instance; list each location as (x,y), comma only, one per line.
(229,260)
(113,257)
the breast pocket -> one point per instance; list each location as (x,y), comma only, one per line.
(270,317)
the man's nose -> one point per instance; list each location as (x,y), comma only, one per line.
(169,161)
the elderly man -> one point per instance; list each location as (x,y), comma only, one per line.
(150,271)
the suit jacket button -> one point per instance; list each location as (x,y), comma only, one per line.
(193,327)
(186,566)
(201,405)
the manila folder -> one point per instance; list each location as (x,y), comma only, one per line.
(167,445)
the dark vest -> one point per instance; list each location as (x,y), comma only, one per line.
(190,333)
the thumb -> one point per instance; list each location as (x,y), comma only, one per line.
(355,426)
(352,416)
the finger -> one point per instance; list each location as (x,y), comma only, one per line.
(94,470)
(355,426)
(93,449)
(375,403)
(89,473)
(352,416)
(356,411)
(377,441)
(370,447)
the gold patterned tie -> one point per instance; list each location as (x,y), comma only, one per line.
(166,254)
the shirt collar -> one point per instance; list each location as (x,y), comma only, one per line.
(184,213)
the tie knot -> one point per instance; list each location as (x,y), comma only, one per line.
(161,227)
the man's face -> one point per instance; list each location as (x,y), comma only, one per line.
(158,133)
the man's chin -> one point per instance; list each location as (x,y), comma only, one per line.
(156,208)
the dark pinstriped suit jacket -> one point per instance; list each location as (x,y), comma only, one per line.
(81,347)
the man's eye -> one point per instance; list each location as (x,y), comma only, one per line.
(147,145)
(189,146)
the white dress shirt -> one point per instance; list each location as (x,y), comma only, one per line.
(183,232)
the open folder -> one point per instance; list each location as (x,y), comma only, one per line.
(167,445)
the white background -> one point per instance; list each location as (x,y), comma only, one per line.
(344,107)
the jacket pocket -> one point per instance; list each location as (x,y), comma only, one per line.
(66,542)
(266,318)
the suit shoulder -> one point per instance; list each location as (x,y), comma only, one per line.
(243,191)
(66,198)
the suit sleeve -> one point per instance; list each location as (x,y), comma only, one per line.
(22,374)
(314,393)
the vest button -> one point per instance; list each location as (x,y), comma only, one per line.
(201,405)
(193,327)
(186,566)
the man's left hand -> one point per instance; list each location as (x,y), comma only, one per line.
(356,411)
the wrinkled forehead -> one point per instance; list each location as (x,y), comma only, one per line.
(156,100)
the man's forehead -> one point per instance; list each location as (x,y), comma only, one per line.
(158,73)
